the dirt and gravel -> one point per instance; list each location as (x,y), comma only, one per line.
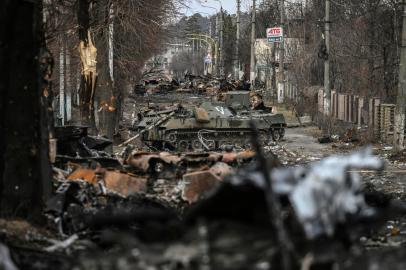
(301,146)
(303,143)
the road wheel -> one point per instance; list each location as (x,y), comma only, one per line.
(197,145)
(276,135)
(211,144)
(171,138)
(183,146)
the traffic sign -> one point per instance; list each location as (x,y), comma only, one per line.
(274,34)
(274,39)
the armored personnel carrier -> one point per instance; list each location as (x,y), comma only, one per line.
(210,126)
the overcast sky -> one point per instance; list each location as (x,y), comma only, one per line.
(196,6)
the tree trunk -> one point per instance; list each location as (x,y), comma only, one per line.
(87,83)
(25,172)
(105,94)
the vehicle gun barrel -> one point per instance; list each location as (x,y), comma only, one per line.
(146,129)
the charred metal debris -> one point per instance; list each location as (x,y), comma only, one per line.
(156,82)
(208,210)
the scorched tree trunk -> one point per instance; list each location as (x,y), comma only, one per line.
(25,173)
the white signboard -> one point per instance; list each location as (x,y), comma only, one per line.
(274,34)
(207,59)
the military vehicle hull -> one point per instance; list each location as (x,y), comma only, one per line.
(210,126)
(196,136)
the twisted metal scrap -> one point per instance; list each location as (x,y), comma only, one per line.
(327,192)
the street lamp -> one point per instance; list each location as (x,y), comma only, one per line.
(219,28)
(209,7)
(221,39)
(221,5)
(205,1)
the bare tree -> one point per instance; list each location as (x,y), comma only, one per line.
(125,32)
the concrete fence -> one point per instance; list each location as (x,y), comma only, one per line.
(359,111)
(346,108)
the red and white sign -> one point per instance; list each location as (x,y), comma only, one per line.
(274,34)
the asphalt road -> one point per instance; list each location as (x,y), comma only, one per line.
(302,141)
(302,147)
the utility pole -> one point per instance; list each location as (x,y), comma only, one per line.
(273,81)
(221,43)
(193,57)
(401,97)
(237,44)
(217,49)
(327,86)
(210,68)
(281,92)
(62,81)
(210,33)
(252,63)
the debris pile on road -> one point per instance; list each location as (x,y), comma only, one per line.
(346,138)
(327,193)
(199,84)
(75,145)
(197,211)
(325,211)
(210,86)
(155,81)
(139,171)
(87,179)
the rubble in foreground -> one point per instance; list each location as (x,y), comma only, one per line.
(140,215)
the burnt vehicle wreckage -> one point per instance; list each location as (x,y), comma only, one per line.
(212,195)
(209,188)
(155,81)
(198,211)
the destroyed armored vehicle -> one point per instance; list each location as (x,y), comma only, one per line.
(210,126)
(155,82)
